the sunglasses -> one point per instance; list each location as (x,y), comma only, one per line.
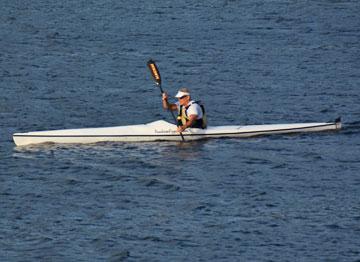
(182,97)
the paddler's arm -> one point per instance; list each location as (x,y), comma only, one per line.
(192,119)
(166,105)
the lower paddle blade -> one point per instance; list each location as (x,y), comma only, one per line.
(154,71)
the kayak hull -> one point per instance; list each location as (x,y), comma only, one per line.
(163,131)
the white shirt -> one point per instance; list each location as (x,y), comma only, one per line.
(193,109)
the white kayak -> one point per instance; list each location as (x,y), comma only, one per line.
(163,131)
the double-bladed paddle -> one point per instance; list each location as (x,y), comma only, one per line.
(156,75)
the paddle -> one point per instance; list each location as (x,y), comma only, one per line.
(156,75)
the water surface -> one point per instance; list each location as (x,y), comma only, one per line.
(77,64)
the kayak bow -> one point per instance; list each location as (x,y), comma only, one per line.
(163,131)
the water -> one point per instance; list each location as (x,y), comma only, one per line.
(74,64)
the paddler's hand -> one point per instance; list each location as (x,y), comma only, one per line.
(165,103)
(181,129)
(164,96)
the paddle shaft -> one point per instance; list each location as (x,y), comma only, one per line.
(172,113)
(156,75)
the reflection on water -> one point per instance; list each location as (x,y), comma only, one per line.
(154,154)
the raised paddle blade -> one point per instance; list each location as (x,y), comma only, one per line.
(154,71)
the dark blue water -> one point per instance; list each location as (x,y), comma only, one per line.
(73,64)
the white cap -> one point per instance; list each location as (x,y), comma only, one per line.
(181,94)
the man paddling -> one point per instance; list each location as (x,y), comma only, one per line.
(190,113)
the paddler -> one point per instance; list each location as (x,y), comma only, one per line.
(190,113)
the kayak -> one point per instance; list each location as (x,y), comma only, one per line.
(163,131)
